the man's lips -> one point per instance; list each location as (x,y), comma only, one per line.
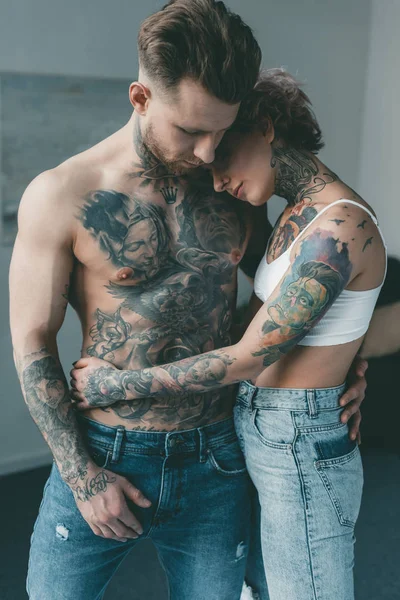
(194,165)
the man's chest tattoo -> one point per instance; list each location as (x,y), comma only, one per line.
(178,274)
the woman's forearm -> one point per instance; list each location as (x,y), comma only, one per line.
(203,373)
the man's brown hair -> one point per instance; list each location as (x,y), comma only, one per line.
(201,40)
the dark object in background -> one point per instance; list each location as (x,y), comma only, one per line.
(381,407)
(390,291)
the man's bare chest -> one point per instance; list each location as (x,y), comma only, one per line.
(160,277)
(129,239)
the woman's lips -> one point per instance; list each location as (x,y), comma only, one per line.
(238,190)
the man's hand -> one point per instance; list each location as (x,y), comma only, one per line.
(101,500)
(354,396)
(95,382)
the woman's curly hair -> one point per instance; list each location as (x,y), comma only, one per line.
(278,97)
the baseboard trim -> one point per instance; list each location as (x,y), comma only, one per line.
(25,462)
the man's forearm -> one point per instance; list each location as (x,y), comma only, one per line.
(47,396)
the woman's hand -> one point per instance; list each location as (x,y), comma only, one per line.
(354,397)
(95,382)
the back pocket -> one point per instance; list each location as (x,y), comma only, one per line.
(343,481)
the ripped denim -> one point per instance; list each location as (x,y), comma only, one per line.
(199,520)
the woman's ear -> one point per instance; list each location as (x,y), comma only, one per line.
(269,131)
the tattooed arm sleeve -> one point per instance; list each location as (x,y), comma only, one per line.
(320,270)
(39,277)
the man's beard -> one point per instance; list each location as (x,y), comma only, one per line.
(174,166)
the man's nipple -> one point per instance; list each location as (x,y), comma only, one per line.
(236,255)
(124,274)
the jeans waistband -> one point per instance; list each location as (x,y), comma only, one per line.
(309,400)
(121,440)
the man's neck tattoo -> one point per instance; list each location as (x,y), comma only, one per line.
(298,175)
(149,168)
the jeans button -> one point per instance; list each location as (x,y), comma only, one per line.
(242,388)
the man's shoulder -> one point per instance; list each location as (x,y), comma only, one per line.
(50,202)
(62,186)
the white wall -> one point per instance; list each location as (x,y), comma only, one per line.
(380,154)
(324,42)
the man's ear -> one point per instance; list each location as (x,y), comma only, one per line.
(139,96)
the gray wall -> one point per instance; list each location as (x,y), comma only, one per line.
(324,42)
(380,155)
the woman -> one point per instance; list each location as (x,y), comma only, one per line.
(317,287)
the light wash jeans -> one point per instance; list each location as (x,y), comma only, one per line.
(309,478)
(199,520)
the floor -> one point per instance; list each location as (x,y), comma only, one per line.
(140,577)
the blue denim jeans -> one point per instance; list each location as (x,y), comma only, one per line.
(309,478)
(199,520)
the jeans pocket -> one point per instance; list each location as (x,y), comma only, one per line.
(227,458)
(343,481)
(274,428)
(101,456)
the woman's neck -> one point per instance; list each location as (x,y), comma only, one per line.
(299,175)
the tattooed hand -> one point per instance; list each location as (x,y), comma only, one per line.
(102,501)
(95,382)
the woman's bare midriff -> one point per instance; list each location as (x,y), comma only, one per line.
(309,367)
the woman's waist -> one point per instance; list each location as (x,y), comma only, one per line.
(307,367)
(307,400)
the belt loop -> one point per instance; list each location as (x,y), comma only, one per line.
(251,392)
(202,446)
(117,443)
(247,390)
(312,405)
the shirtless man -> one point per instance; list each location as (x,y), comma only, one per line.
(147,255)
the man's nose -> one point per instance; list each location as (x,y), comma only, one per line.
(205,148)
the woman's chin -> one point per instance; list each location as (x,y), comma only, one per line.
(256,201)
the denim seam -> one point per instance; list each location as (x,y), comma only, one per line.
(109,447)
(34,528)
(332,462)
(297,409)
(306,516)
(300,391)
(143,452)
(312,429)
(159,501)
(212,442)
(335,501)
(218,440)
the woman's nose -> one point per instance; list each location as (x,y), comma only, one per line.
(220,181)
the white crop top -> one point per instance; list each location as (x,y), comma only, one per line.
(349,316)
